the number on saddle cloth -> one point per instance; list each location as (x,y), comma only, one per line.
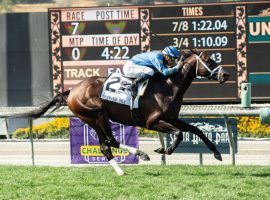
(117,88)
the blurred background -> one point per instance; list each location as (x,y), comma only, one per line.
(43,5)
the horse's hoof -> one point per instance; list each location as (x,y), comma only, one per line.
(168,151)
(218,156)
(143,156)
(160,150)
(122,174)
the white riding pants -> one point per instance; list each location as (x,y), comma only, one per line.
(132,70)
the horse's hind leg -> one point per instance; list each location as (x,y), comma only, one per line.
(105,147)
(143,156)
(110,141)
(187,127)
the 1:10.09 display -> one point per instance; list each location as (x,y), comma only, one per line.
(210,41)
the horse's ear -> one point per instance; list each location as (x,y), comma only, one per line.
(186,53)
(195,51)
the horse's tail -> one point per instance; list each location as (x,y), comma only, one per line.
(58,101)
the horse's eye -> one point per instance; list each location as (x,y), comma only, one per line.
(207,58)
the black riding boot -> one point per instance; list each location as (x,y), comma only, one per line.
(135,84)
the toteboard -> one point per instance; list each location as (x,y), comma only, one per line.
(97,41)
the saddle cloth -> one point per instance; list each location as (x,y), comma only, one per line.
(117,88)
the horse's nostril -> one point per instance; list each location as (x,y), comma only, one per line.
(226,75)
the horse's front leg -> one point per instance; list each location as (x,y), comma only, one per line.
(164,127)
(183,126)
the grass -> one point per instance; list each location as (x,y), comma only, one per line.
(142,182)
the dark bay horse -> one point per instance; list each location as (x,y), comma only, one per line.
(158,107)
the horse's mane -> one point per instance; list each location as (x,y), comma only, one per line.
(186,53)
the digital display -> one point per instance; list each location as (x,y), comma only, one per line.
(204,27)
(97,41)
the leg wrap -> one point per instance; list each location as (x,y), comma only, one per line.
(116,167)
(130,149)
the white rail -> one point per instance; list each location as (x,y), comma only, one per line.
(186,110)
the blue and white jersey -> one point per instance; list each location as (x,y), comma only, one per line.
(154,60)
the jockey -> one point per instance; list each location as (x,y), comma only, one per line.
(144,65)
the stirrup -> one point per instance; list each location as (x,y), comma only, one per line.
(133,94)
(133,91)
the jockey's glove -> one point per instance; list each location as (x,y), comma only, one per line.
(179,64)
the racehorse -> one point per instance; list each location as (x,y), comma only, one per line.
(158,108)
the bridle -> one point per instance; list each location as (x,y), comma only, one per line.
(212,72)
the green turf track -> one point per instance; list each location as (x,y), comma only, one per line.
(141,182)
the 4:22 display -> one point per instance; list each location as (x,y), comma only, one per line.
(115,53)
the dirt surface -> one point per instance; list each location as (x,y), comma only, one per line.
(57,153)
